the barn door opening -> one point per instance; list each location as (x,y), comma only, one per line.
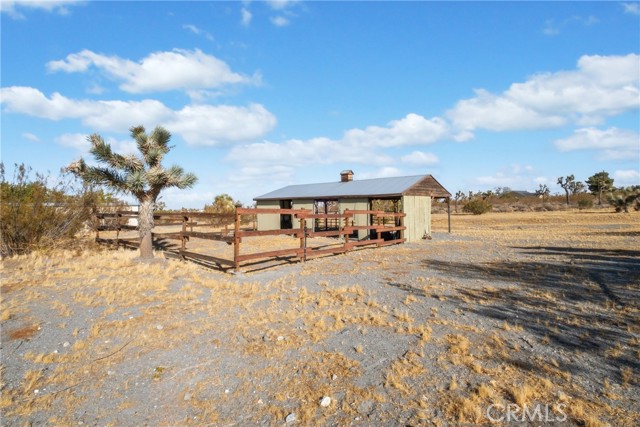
(286,220)
(326,207)
(391,205)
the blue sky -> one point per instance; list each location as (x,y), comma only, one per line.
(259,95)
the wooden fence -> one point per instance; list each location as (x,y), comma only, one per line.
(385,229)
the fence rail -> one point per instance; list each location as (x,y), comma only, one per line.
(384,228)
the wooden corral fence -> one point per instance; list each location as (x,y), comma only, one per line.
(386,229)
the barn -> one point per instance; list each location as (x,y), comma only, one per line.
(409,194)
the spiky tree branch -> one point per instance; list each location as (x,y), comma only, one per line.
(143,177)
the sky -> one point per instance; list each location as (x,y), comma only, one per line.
(262,94)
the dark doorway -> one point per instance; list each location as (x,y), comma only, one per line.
(286,220)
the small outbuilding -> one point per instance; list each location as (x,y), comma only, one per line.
(409,194)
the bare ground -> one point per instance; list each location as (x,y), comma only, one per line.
(511,312)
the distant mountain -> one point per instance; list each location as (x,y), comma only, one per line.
(520,193)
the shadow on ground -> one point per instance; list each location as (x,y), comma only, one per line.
(579,300)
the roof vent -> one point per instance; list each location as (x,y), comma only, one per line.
(346,176)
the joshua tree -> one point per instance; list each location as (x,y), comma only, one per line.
(543,192)
(600,183)
(143,177)
(570,186)
(459,196)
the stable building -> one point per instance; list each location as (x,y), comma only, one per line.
(409,194)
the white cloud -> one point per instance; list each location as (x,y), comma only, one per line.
(624,178)
(198,31)
(80,142)
(412,130)
(74,140)
(197,124)
(281,4)
(279,21)
(30,136)
(541,180)
(246,16)
(631,8)
(95,89)
(161,71)
(214,125)
(499,113)
(551,28)
(420,158)
(383,172)
(514,176)
(30,101)
(613,143)
(121,115)
(11,7)
(600,87)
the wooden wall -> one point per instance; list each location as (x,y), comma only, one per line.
(418,219)
(427,187)
(268,221)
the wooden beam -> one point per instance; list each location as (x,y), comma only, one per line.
(449,213)
(269,254)
(215,260)
(280,232)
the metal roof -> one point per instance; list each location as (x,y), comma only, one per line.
(393,186)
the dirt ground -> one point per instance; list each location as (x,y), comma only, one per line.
(514,319)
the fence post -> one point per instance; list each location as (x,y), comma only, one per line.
(236,242)
(303,237)
(96,225)
(183,244)
(118,216)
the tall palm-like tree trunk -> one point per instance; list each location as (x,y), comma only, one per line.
(143,176)
(145,227)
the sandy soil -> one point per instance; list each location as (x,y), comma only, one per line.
(524,319)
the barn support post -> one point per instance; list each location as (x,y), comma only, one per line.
(236,242)
(344,228)
(449,213)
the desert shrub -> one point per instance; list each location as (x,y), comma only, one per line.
(477,207)
(519,207)
(224,209)
(585,203)
(624,198)
(36,214)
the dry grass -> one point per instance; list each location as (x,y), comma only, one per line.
(332,327)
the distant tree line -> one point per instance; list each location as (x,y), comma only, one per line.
(600,185)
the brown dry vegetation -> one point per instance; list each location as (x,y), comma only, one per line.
(512,308)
